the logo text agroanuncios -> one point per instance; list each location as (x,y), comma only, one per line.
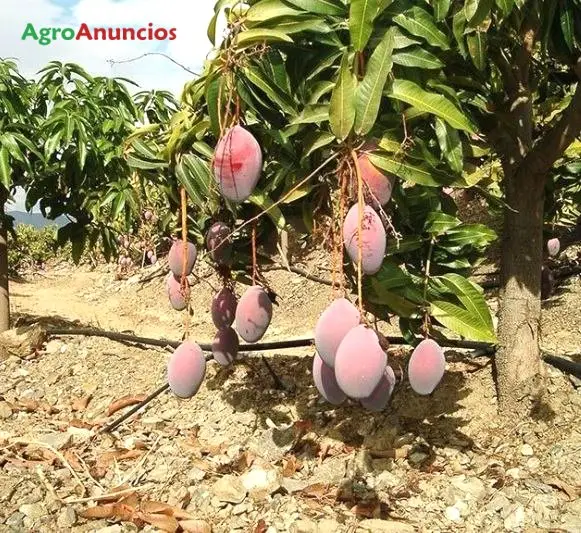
(45,36)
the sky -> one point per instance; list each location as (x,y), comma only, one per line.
(190,48)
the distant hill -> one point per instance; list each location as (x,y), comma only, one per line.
(36,219)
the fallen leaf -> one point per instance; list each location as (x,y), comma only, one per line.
(243,462)
(160,521)
(80,404)
(323,452)
(78,423)
(73,460)
(367,510)
(120,511)
(317,491)
(154,507)
(290,465)
(195,526)
(571,491)
(107,458)
(260,527)
(126,401)
(27,405)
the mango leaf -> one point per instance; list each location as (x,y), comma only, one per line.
(450,144)
(211,32)
(477,48)
(407,244)
(401,39)
(272,91)
(266,10)
(312,114)
(194,174)
(399,305)
(461,321)
(320,7)
(458,27)
(5,170)
(477,235)
(416,56)
(441,8)
(433,103)
(421,24)
(264,202)
(258,35)
(370,90)
(342,107)
(438,223)
(420,174)
(316,141)
(567,25)
(481,12)
(505,6)
(471,296)
(215,95)
(139,162)
(361,16)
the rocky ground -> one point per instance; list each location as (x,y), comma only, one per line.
(243,456)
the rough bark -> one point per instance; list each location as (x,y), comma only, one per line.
(4,294)
(519,370)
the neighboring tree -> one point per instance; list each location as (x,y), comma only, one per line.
(19,120)
(62,140)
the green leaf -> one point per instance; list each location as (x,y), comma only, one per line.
(405,245)
(342,107)
(400,39)
(438,223)
(460,321)
(361,16)
(420,23)
(441,8)
(271,90)
(320,7)
(5,170)
(567,24)
(314,142)
(9,142)
(416,56)
(264,202)
(266,10)
(420,174)
(433,103)
(211,33)
(215,95)
(312,114)
(258,35)
(476,235)
(370,90)
(144,164)
(450,144)
(194,174)
(481,12)
(477,48)
(458,27)
(506,6)
(471,296)
(470,7)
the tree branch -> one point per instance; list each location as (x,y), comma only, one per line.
(552,145)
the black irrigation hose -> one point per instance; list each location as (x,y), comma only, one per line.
(481,348)
(258,347)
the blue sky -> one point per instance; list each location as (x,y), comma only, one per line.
(190,48)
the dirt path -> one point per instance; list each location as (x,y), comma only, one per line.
(245,457)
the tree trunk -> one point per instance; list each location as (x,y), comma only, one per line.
(4,294)
(519,369)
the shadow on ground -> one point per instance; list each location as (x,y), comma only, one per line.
(434,418)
